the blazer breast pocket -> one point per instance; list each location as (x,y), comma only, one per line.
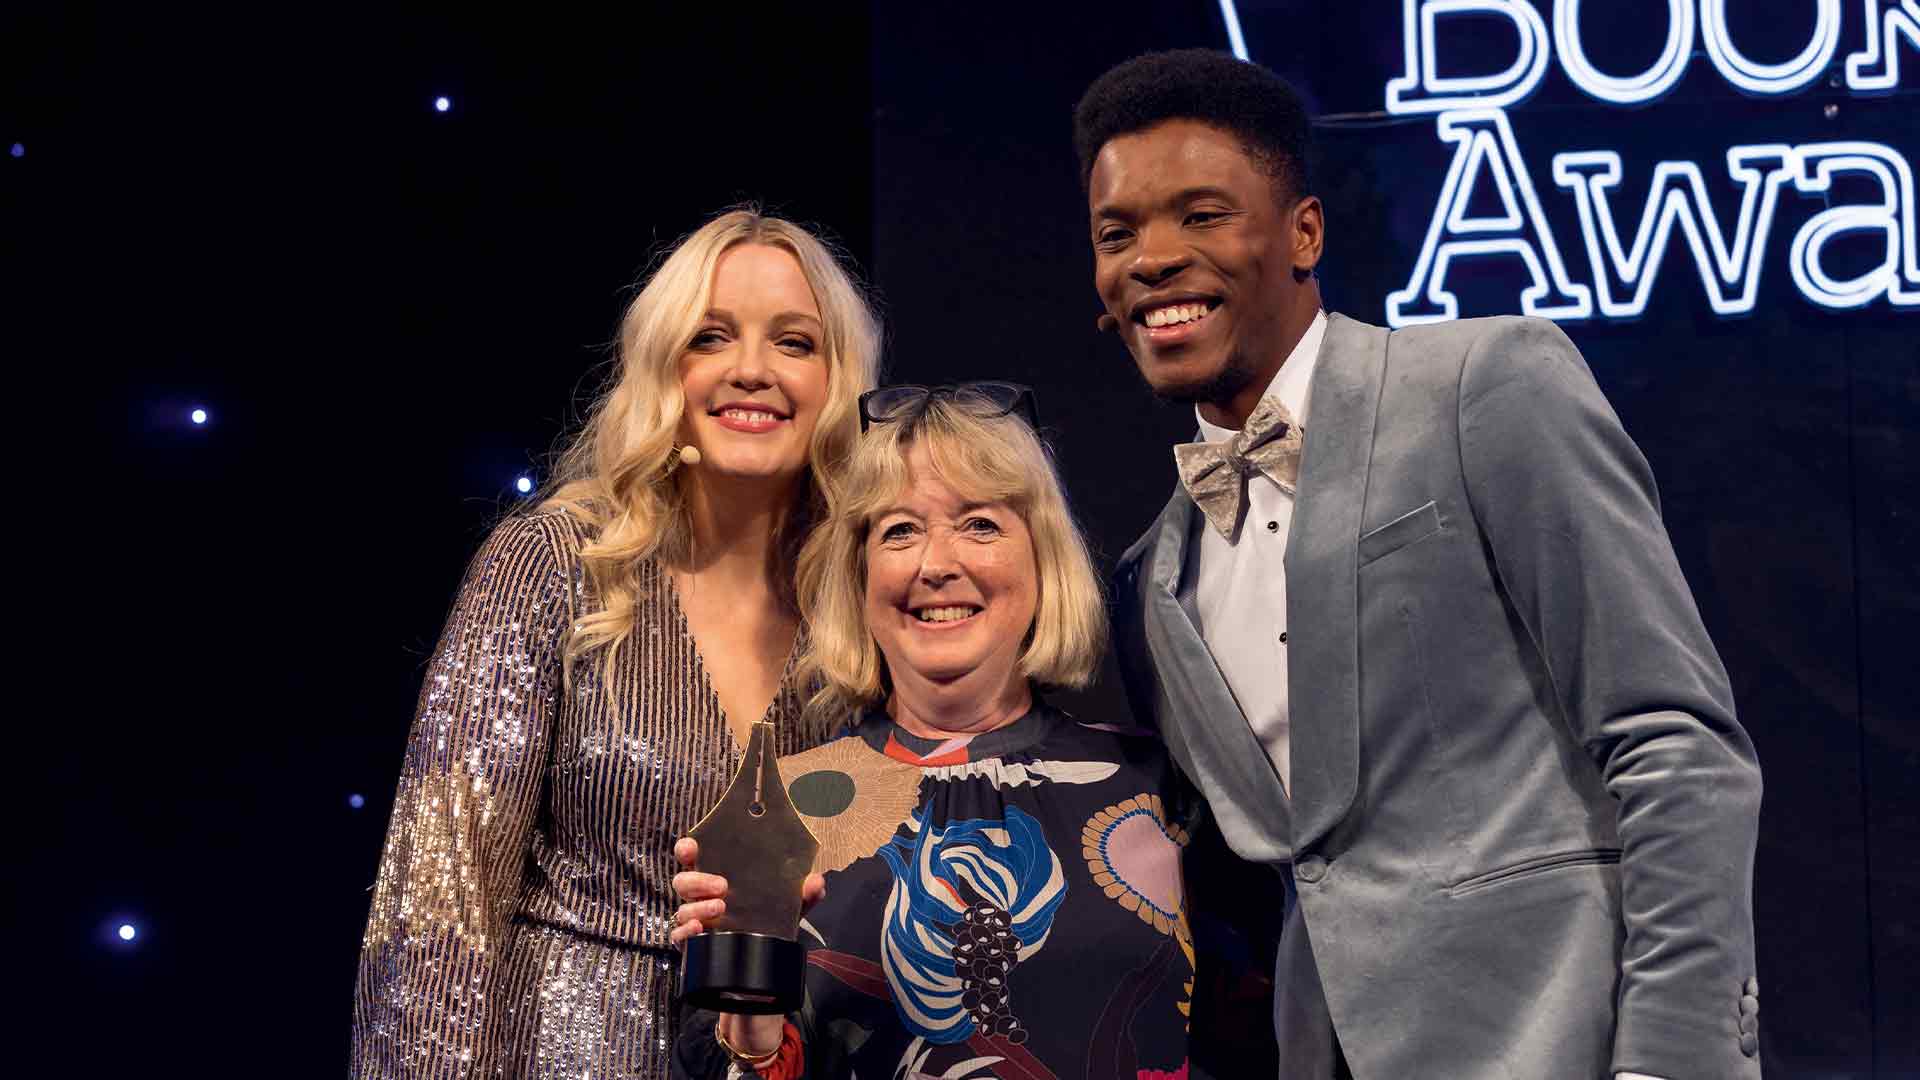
(1409,528)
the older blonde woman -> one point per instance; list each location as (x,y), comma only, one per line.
(1003,883)
(602,666)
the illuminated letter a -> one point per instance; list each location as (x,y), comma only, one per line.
(1484,151)
(1894,219)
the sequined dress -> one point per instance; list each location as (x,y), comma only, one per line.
(520,916)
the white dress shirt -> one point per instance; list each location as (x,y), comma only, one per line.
(1240,586)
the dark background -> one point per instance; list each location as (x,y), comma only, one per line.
(391,313)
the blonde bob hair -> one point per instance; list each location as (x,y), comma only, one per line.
(617,477)
(997,459)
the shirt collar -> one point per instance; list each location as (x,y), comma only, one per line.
(1289,384)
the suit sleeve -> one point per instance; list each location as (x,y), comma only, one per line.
(1568,508)
(430,999)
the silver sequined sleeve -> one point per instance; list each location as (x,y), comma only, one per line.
(430,999)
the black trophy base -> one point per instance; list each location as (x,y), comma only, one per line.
(738,972)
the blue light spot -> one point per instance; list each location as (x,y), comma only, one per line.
(442,104)
(19,150)
(524,485)
(199,416)
(127,932)
(356,800)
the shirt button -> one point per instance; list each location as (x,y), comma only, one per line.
(1283,637)
(1310,869)
(1273,526)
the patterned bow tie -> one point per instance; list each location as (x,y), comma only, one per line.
(1215,474)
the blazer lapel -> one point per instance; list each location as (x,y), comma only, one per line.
(1323,661)
(1221,752)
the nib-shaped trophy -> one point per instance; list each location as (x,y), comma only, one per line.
(750,960)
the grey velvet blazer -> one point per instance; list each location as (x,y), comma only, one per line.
(1523,820)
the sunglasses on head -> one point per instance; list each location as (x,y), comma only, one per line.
(984,400)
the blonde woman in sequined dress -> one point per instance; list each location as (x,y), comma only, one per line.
(603,662)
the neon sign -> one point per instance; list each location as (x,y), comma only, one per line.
(1422,89)
(1621,269)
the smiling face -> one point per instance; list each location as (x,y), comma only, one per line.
(1207,272)
(951,585)
(755,374)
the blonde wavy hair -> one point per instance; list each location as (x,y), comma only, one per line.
(997,459)
(616,477)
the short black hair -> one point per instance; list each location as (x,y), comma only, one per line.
(1238,97)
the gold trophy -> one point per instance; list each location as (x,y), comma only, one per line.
(750,959)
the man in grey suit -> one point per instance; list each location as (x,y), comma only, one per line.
(1413,625)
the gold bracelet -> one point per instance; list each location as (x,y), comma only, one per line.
(748,1060)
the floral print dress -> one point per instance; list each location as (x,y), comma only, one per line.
(1006,905)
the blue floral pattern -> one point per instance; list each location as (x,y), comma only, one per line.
(955,891)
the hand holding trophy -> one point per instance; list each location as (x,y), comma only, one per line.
(740,919)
